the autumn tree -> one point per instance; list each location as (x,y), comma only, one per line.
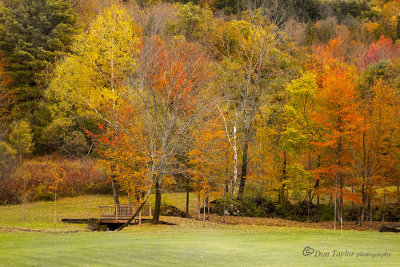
(87,10)
(299,134)
(379,50)
(21,139)
(389,18)
(192,20)
(92,77)
(210,160)
(123,158)
(381,113)
(249,44)
(338,114)
(170,89)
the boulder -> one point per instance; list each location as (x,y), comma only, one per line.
(395,228)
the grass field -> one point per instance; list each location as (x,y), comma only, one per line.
(40,215)
(221,246)
(190,242)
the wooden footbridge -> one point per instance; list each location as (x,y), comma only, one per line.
(122,213)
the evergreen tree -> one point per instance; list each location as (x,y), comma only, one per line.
(33,34)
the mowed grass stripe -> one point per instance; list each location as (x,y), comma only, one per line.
(258,246)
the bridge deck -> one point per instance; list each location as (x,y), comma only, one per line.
(122,213)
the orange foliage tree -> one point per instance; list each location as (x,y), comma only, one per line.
(341,122)
(170,89)
(210,161)
(380,163)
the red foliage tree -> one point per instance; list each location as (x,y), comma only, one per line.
(379,50)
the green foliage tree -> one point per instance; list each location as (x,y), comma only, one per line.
(21,138)
(8,160)
(192,20)
(300,132)
(33,35)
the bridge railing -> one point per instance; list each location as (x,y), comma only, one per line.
(123,211)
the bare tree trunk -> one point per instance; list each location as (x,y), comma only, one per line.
(243,176)
(335,209)
(398,27)
(341,202)
(233,143)
(235,161)
(284,176)
(318,207)
(187,196)
(55,207)
(198,207)
(369,206)
(157,208)
(25,187)
(363,196)
(115,191)
(208,208)
(204,209)
(25,199)
(116,128)
(74,4)
(308,206)
(224,209)
(384,205)
(318,210)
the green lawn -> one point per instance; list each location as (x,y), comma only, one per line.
(188,243)
(220,246)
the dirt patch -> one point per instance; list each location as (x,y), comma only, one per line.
(348,225)
(21,229)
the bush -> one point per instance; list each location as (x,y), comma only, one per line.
(392,213)
(8,163)
(75,145)
(326,212)
(45,175)
(41,192)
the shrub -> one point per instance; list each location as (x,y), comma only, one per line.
(46,175)
(8,164)
(326,212)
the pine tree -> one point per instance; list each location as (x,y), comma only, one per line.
(33,34)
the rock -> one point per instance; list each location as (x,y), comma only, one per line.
(236,213)
(92,227)
(395,228)
(168,210)
(226,212)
